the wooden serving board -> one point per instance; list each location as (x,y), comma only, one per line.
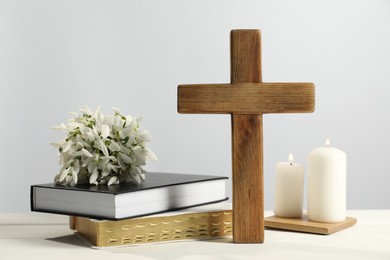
(303,224)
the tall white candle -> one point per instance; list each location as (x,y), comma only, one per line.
(289,189)
(327,174)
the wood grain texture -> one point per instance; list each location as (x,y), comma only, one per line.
(303,224)
(247,151)
(246,98)
(245,56)
(247,145)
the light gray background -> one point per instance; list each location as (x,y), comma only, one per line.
(56,56)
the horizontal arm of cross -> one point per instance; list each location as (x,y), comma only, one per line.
(246,98)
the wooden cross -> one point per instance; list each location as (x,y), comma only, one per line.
(247,99)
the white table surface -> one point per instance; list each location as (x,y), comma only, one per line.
(47,236)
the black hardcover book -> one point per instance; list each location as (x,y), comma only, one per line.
(160,192)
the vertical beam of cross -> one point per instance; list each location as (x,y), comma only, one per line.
(247,143)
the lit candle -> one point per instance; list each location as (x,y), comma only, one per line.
(289,189)
(327,174)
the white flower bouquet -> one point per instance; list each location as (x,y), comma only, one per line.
(102,149)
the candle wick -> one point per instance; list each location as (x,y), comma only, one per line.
(290,158)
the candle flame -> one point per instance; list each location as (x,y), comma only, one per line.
(290,158)
(327,143)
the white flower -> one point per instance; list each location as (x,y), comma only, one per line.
(97,114)
(86,153)
(94,176)
(112,180)
(67,146)
(114,146)
(151,154)
(86,110)
(64,174)
(74,176)
(127,159)
(105,131)
(116,110)
(102,149)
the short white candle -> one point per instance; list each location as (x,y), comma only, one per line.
(327,174)
(289,189)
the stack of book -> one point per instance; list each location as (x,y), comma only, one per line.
(165,207)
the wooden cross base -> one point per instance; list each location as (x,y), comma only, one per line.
(247,99)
